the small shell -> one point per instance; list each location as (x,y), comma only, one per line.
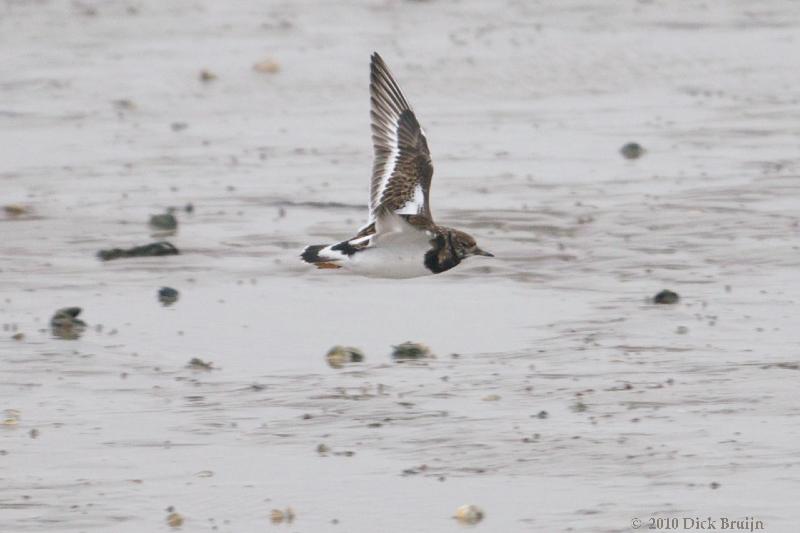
(338,356)
(276,515)
(469,514)
(267,66)
(174,520)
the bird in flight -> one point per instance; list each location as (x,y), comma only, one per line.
(400,238)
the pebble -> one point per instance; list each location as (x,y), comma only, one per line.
(666,297)
(632,150)
(165,221)
(195,363)
(206,76)
(168,295)
(124,104)
(65,323)
(579,407)
(323,449)
(411,350)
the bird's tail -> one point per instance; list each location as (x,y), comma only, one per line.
(311,253)
(315,255)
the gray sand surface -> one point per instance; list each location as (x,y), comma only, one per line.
(679,411)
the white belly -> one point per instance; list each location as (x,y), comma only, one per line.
(393,256)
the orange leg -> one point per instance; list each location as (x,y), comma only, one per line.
(327,265)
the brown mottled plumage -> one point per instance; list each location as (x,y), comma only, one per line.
(402,159)
(400,238)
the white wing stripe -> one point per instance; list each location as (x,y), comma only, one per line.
(413,206)
(388,168)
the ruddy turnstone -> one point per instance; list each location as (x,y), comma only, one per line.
(400,239)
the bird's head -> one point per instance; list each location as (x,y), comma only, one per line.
(465,246)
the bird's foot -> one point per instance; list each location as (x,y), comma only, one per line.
(327,265)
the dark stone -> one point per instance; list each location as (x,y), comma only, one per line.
(148,250)
(65,323)
(411,350)
(195,363)
(166,221)
(632,151)
(168,295)
(666,297)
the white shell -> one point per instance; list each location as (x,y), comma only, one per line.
(469,514)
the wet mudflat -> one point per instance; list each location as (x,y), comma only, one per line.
(560,398)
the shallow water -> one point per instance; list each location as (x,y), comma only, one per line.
(525,105)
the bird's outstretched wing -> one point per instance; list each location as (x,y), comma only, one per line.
(402,170)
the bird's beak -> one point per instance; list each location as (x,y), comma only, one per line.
(478,251)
